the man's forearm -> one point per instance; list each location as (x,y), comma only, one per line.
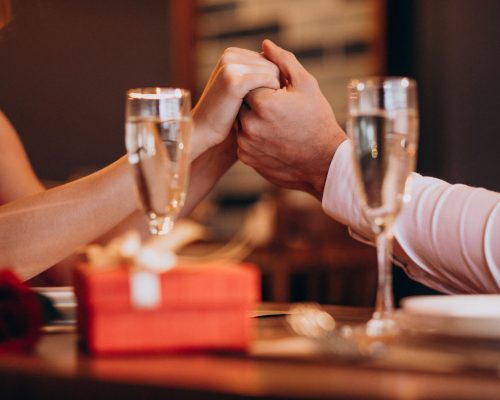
(445,237)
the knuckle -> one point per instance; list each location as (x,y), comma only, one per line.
(248,127)
(227,55)
(289,55)
(260,106)
(245,126)
(313,80)
(228,77)
(267,106)
(261,101)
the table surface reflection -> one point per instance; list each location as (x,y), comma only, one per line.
(413,369)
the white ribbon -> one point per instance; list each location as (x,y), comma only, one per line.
(144,261)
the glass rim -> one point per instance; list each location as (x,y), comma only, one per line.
(374,81)
(157,93)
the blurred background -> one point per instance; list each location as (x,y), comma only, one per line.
(65,66)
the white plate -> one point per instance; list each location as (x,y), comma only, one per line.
(64,300)
(457,315)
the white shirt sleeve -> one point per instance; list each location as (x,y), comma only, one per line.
(448,235)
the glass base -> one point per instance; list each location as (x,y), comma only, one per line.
(373,338)
(381,326)
(160,225)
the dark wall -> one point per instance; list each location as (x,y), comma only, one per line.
(64,69)
(452,48)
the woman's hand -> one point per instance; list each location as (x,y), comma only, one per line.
(237,73)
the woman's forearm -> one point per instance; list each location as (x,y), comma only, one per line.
(206,171)
(39,230)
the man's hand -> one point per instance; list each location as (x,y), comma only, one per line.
(237,73)
(289,135)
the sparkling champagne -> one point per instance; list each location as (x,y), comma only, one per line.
(385,149)
(158,151)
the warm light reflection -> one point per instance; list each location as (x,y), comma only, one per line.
(155,93)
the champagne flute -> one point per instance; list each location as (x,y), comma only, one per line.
(158,131)
(383,125)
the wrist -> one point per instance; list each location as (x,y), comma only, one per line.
(324,159)
(204,137)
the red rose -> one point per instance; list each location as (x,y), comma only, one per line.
(20,314)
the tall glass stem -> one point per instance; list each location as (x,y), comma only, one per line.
(382,322)
(385,299)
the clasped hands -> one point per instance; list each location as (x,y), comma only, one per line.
(268,110)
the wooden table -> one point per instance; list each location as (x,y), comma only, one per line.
(57,370)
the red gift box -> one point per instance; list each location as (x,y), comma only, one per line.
(200,307)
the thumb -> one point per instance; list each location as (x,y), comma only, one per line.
(286,61)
